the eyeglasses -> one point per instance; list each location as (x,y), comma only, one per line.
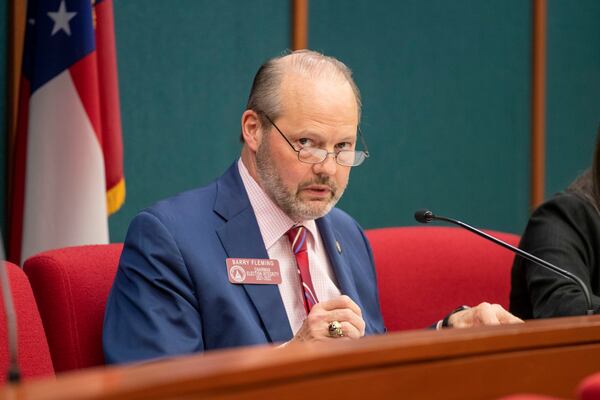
(315,155)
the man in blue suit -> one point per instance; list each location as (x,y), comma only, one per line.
(261,255)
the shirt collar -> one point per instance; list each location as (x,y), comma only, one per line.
(272,221)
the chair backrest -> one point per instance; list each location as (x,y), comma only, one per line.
(426,272)
(33,353)
(589,388)
(71,286)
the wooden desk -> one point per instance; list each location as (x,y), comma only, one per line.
(547,356)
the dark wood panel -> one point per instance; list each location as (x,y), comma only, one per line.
(538,104)
(299,24)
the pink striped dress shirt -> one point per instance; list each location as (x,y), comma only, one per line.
(273,224)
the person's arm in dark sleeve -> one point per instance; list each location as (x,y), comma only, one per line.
(563,232)
(152,310)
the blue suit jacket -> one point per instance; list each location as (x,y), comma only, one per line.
(172,295)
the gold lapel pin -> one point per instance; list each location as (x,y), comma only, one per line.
(338,247)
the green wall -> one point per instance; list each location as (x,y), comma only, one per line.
(446,91)
(573,93)
(185,70)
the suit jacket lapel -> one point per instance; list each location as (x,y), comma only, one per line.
(241,238)
(341,265)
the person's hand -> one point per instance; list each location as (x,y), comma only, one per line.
(342,309)
(483,314)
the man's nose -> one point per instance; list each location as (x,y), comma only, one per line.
(328,166)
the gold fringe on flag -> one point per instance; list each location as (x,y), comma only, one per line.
(115,197)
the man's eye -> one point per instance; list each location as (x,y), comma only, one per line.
(304,142)
(344,146)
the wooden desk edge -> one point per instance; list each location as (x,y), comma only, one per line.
(219,370)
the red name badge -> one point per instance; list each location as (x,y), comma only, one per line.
(257,271)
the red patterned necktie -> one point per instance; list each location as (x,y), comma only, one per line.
(297,236)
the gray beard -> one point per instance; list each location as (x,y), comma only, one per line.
(290,203)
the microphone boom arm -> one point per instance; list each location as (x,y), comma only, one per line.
(527,256)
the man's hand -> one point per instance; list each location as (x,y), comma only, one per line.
(483,314)
(342,309)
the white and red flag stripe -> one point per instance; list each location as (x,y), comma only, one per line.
(68,171)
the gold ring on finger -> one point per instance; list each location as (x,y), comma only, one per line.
(335,329)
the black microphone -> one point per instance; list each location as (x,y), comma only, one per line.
(426,216)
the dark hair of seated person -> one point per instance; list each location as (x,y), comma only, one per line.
(587,185)
(564,230)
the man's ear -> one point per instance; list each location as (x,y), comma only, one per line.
(251,129)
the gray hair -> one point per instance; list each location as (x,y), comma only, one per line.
(264,95)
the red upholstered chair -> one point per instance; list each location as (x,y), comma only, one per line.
(71,286)
(33,354)
(426,272)
(589,389)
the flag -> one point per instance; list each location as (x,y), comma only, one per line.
(67,175)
